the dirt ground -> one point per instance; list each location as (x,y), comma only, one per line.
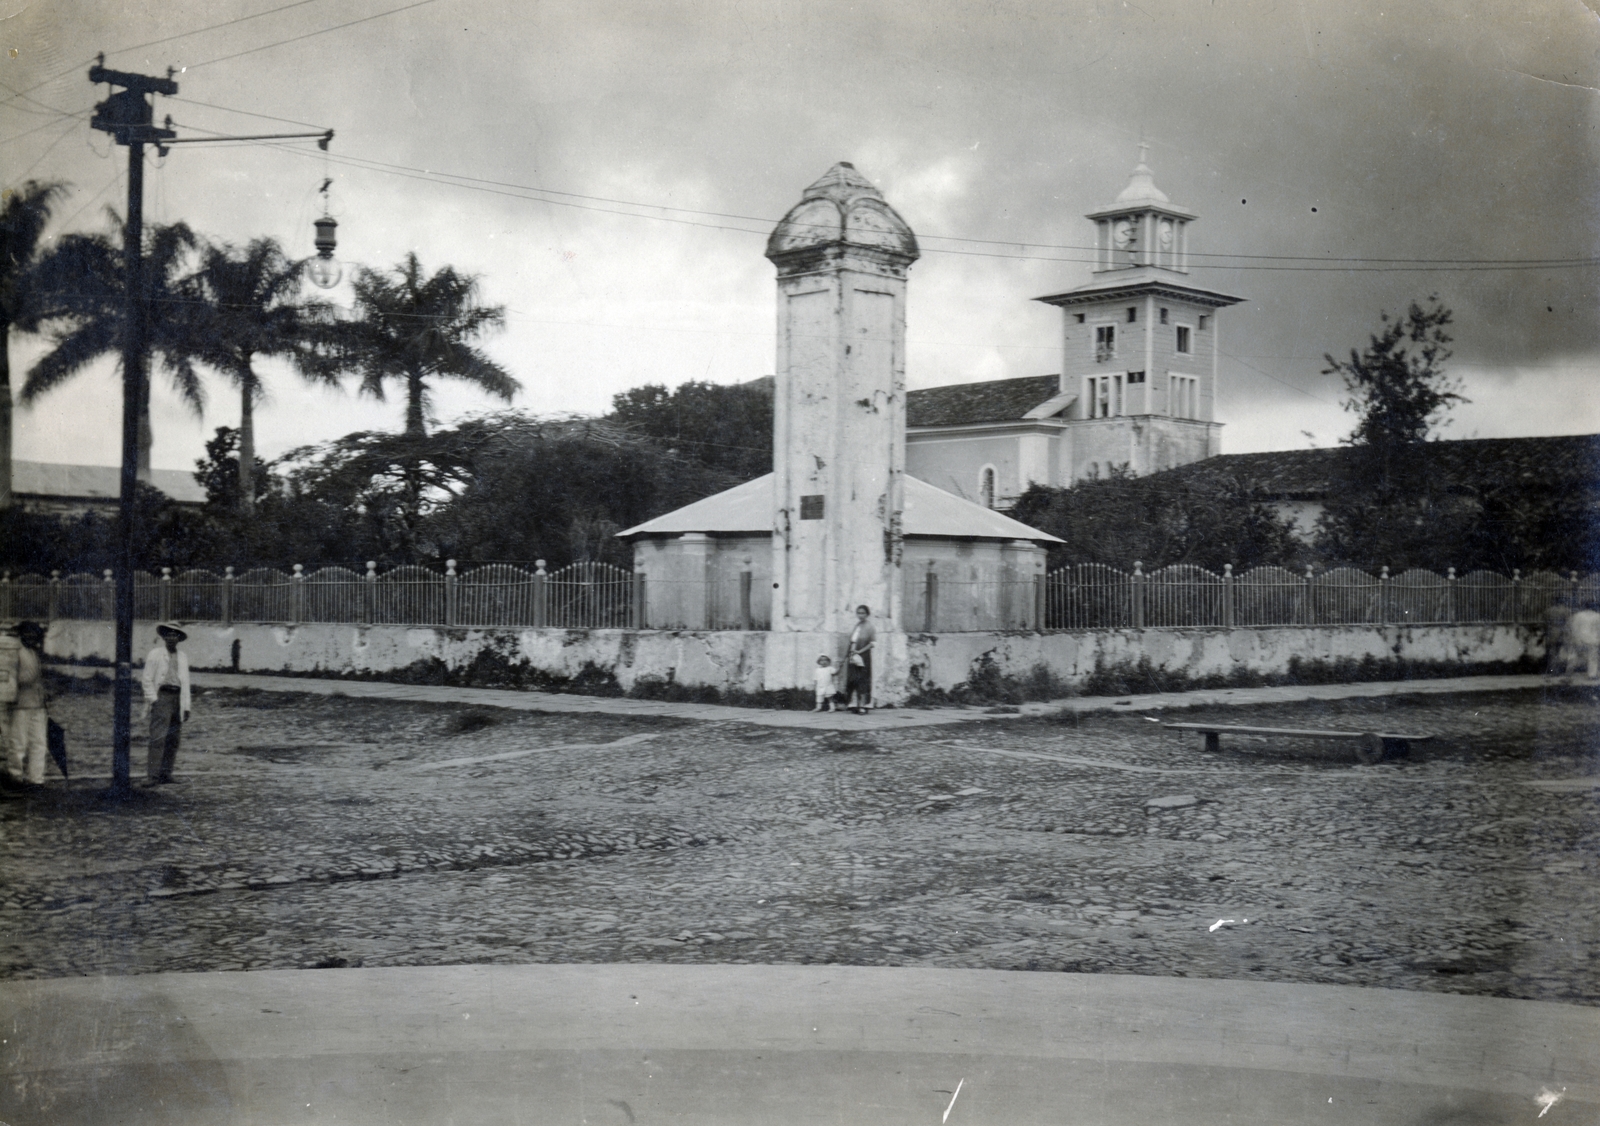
(316,831)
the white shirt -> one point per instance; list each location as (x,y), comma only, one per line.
(824,678)
(157,671)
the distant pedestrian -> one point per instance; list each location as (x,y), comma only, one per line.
(1583,641)
(24,722)
(166,690)
(858,664)
(1556,616)
(826,678)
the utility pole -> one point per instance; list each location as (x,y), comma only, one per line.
(128,117)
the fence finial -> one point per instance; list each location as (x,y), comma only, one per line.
(450,568)
(228,572)
(166,574)
(298,568)
(1310,572)
(372,570)
(108,574)
(1385,574)
(538,566)
(1227,569)
(1452,575)
(1138,567)
(1516,574)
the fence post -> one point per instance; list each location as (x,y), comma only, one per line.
(641,606)
(1308,613)
(450,607)
(746,578)
(1138,594)
(1038,603)
(227,596)
(369,594)
(53,606)
(1383,596)
(1516,596)
(1227,595)
(541,606)
(930,600)
(1572,590)
(164,595)
(297,597)
(1452,608)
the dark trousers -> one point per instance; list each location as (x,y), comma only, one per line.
(166,728)
(858,681)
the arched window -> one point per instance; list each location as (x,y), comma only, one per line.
(986,489)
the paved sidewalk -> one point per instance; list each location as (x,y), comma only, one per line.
(754,1044)
(878,720)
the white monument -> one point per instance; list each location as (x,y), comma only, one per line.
(837,524)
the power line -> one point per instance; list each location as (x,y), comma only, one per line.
(311,34)
(155,42)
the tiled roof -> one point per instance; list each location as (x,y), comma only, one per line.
(1562,461)
(96,482)
(995,400)
(929,511)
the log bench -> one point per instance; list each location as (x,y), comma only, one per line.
(1371,746)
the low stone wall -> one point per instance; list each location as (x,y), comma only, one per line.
(723,659)
(736,661)
(941,661)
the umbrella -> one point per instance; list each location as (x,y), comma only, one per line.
(56,740)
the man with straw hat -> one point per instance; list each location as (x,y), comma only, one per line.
(166,688)
(22,726)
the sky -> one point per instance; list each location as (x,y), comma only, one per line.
(610,171)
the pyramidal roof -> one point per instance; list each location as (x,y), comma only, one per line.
(1141,192)
(929,511)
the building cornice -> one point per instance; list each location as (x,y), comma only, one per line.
(1145,286)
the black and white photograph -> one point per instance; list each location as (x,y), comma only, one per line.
(745,562)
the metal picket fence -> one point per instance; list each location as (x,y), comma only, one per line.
(591,595)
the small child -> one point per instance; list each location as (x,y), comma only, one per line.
(826,687)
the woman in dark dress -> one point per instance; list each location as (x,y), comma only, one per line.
(858,663)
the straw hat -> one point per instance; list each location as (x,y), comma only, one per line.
(164,628)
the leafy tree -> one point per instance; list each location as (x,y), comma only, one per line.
(1204,516)
(560,490)
(1385,507)
(77,296)
(247,298)
(22,222)
(726,428)
(218,473)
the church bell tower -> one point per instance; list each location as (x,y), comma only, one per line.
(1140,341)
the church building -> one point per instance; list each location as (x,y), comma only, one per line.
(1138,379)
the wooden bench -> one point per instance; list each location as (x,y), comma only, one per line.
(1371,746)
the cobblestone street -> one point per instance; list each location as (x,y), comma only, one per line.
(315,831)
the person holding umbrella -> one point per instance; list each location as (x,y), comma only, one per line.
(166,690)
(24,727)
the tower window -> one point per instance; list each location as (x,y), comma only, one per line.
(1203,321)
(1183,339)
(1133,314)
(1163,316)
(1185,393)
(1105,342)
(1104,399)
(1081,317)
(1136,377)
(986,487)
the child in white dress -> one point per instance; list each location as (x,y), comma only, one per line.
(827,687)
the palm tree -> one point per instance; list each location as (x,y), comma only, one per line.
(249,311)
(415,331)
(77,297)
(22,223)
